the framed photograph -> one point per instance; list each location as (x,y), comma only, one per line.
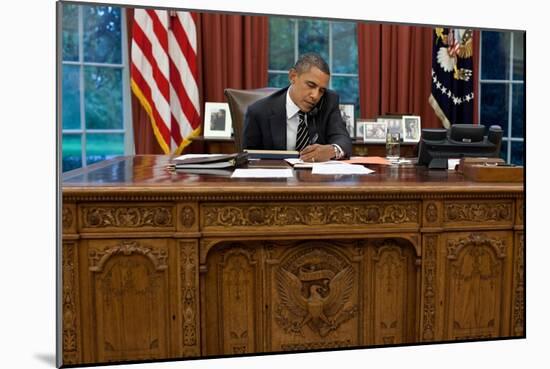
(217,120)
(393,125)
(360,127)
(374,131)
(411,125)
(348,116)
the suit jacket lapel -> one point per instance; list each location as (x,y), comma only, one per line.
(277,121)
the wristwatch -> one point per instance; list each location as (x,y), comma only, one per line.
(336,152)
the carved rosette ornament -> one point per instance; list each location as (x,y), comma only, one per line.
(189,257)
(431,213)
(315,288)
(67,218)
(127,217)
(430,273)
(187,216)
(70,341)
(288,215)
(97,258)
(475,212)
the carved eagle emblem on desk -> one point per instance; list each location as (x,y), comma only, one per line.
(319,305)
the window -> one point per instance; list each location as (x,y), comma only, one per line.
(95,113)
(502,90)
(336,42)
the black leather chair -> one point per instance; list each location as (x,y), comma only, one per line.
(238,101)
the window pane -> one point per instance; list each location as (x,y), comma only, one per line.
(71,97)
(278,80)
(103,97)
(518,153)
(102,34)
(504,150)
(494,105)
(70,32)
(281,43)
(101,146)
(313,37)
(72,152)
(519,43)
(344,47)
(347,88)
(518,110)
(495,60)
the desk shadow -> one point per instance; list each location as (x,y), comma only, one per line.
(46,358)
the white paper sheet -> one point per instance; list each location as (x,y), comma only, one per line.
(194,156)
(341,168)
(262,173)
(299,163)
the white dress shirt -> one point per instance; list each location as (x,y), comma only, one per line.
(292,126)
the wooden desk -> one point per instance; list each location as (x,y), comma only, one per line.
(161,265)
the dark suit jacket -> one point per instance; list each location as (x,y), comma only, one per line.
(265,123)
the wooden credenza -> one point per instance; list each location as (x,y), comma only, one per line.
(160,265)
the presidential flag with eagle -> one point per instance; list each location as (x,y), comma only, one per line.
(452,96)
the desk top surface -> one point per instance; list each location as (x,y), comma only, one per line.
(148,173)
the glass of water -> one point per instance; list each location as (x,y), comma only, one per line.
(393,146)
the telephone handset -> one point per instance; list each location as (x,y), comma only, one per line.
(312,128)
(313,112)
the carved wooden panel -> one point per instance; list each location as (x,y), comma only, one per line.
(189,274)
(311,294)
(233,301)
(131,216)
(478,276)
(478,213)
(259,215)
(314,296)
(71,338)
(130,299)
(518,303)
(393,277)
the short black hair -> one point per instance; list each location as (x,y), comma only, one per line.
(308,60)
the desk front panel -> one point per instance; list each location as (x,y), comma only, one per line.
(159,265)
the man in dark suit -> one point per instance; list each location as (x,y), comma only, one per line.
(304,116)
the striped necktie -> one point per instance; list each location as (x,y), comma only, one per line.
(302,135)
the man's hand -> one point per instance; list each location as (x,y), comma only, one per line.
(317,153)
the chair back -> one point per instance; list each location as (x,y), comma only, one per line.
(238,101)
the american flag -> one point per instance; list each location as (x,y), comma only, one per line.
(164,74)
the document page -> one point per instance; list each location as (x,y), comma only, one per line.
(263,173)
(341,168)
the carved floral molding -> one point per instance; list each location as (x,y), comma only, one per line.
(70,314)
(430,273)
(286,215)
(127,216)
(476,212)
(188,271)
(519,290)
(97,258)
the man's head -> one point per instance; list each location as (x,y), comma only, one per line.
(308,81)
